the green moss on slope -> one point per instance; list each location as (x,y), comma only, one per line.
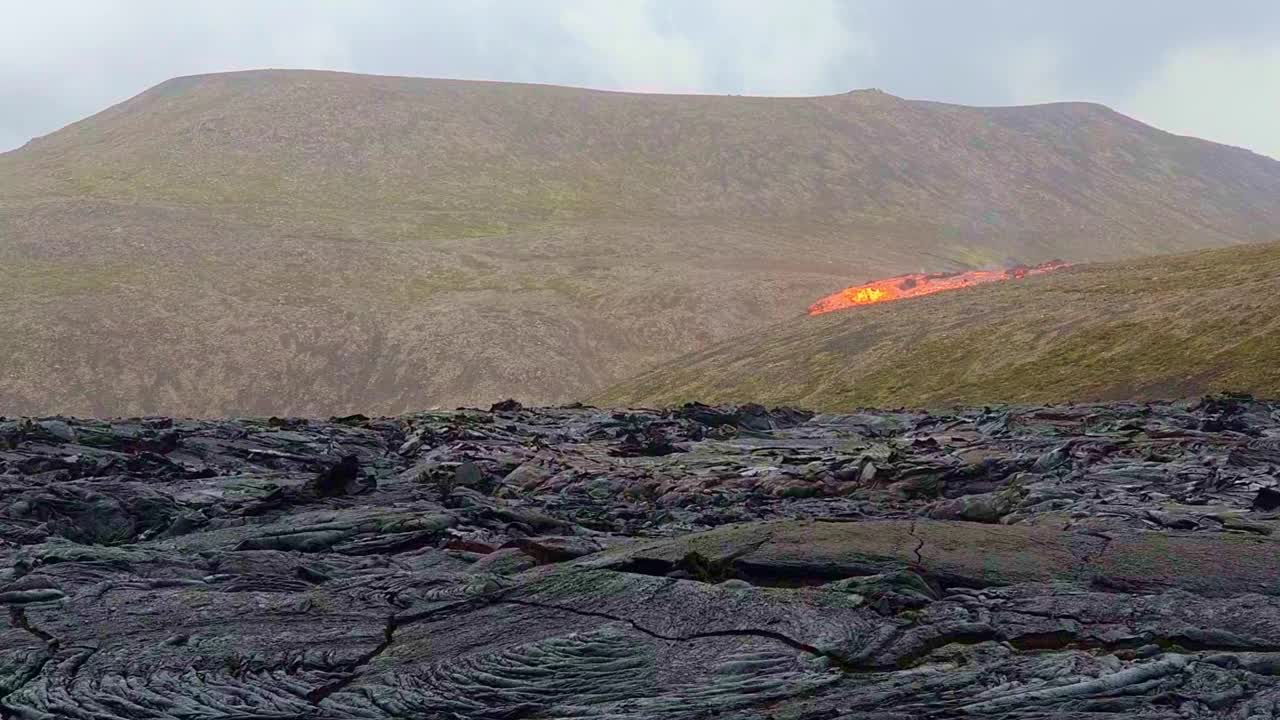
(1157,328)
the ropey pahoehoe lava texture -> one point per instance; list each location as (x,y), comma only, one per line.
(1076,561)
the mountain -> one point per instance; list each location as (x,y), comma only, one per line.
(1152,328)
(314,243)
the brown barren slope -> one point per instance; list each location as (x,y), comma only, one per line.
(1154,328)
(313,243)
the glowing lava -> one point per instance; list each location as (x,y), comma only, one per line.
(917,284)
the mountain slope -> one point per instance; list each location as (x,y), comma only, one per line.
(1159,327)
(306,242)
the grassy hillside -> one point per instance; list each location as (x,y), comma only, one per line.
(307,242)
(1155,328)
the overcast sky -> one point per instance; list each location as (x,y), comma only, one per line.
(1201,67)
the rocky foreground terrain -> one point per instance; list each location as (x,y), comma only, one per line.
(1093,561)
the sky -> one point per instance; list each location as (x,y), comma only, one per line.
(1195,67)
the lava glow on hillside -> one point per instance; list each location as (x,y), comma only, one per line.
(917,284)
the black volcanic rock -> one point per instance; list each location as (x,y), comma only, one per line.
(1072,561)
(507,405)
(340,479)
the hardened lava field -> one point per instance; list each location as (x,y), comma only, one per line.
(1089,561)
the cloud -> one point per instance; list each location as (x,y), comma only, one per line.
(758,47)
(1225,94)
(1035,74)
(61,60)
(768,48)
(633,52)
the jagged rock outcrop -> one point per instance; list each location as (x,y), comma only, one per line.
(1074,561)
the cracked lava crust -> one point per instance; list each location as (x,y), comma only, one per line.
(1092,561)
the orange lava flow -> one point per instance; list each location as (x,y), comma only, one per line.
(917,284)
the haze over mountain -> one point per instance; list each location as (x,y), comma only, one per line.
(1155,328)
(314,243)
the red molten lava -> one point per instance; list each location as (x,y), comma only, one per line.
(917,284)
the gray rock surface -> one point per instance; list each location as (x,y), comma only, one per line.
(1073,561)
